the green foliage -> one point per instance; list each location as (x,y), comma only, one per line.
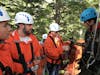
(64,12)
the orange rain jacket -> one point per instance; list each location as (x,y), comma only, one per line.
(25,49)
(73,67)
(53,48)
(42,64)
(5,57)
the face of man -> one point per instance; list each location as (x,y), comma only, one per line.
(4,30)
(55,33)
(89,23)
(28,29)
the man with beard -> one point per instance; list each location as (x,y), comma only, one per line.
(25,46)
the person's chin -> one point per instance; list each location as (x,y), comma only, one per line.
(28,33)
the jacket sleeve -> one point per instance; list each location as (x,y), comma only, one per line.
(37,47)
(51,50)
(1,72)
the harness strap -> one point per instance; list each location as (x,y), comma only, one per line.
(32,51)
(53,41)
(6,70)
(21,57)
(19,51)
(2,66)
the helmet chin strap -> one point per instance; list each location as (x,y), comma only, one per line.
(92,46)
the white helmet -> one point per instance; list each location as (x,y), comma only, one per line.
(54,27)
(3,15)
(44,36)
(23,17)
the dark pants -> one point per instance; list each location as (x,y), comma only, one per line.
(94,69)
(53,68)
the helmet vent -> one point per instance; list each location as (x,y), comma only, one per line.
(1,14)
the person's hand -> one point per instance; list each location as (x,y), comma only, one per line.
(66,48)
(36,61)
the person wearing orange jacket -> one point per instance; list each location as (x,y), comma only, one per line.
(6,62)
(53,49)
(25,46)
(75,56)
(42,65)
